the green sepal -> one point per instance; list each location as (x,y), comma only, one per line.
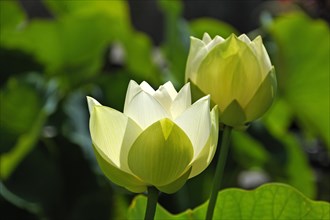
(233,115)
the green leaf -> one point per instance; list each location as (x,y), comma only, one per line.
(73,45)
(279,155)
(26,103)
(57,44)
(174,8)
(13,121)
(11,15)
(248,151)
(176,40)
(278,118)
(296,165)
(138,47)
(303,70)
(115,9)
(14,96)
(286,160)
(211,26)
(270,201)
(114,15)
(25,143)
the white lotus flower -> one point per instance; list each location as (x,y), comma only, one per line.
(236,72)
(159,140)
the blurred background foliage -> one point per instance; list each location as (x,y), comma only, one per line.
(54,53)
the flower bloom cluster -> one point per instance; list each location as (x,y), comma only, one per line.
(161,139)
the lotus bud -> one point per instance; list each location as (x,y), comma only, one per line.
(236,72)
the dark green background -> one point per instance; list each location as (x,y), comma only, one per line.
(54,53)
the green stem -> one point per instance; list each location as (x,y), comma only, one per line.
(219,171)
(152,202)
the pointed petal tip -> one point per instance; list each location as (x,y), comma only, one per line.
(218,38)
(169,87)
(89,98)
(132,81)
(233,36)
(146,87)
(257,39)
(207,98)
(243,35)
(144,83)
(215,109)
(244,38)
(206,34)
(132,84)
(196,41)
(194,38)
(206,37)
(168,83)
(145,109)
(182,101)
(185,87)
(91,103)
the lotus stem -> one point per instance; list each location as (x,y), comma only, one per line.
(219,171)
(152,203)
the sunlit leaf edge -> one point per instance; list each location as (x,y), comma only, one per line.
(137,208)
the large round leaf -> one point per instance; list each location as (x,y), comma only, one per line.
(270,201)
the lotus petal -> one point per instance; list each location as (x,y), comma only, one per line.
(181,102)
(91,103)
(206,155)
(263,97)
(108,129)
(161,153)
(117,175)
(197,53)
(196,123)
(144,109)
(176,185)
